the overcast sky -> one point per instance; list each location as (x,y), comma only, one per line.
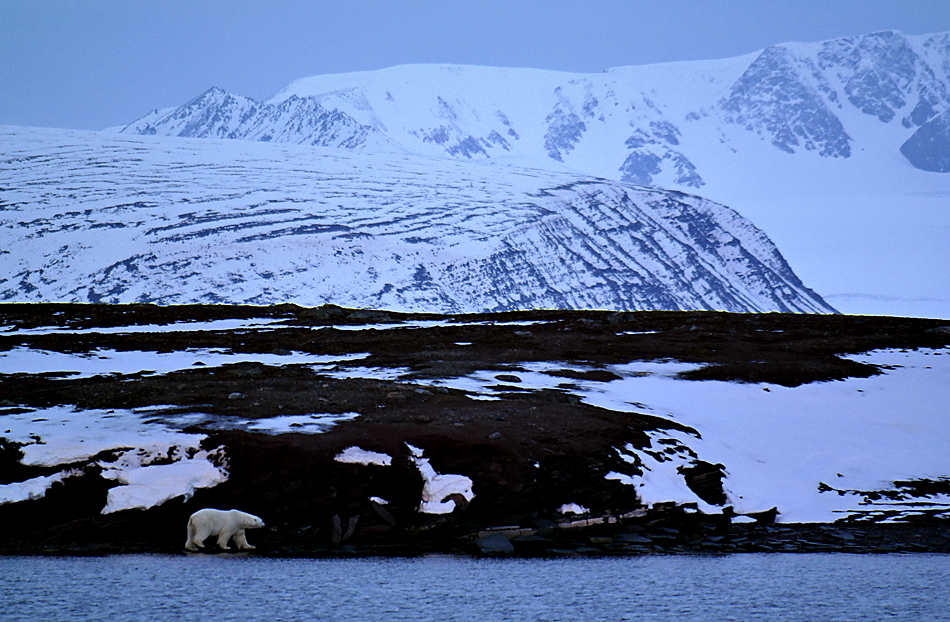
(91,64)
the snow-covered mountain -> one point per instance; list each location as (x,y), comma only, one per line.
(99,217)
(835,149)
(639,124)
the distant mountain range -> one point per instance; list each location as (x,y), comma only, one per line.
(651,125)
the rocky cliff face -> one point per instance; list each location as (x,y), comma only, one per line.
(645,125)
(929,147)
(784,99)
(93,218)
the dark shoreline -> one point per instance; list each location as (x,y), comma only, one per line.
(292,481)
(789,539)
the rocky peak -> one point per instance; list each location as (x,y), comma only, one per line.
(783,98)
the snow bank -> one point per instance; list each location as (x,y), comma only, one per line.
(153,463)
(34,488)
(144,485)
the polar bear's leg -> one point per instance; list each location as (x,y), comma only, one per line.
(196,537)
(240,539)
(202,533)
(200,538)
(223,538)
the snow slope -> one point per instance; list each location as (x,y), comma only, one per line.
(836,149)
(818,452)
(105,218)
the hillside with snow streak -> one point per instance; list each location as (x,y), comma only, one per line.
(101,218)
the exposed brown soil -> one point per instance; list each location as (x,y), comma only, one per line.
(527,453)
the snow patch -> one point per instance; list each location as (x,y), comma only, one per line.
(34,488)
(661,480)
(105,361)
(357,455)
(439,487)
(304,424)
(572,508)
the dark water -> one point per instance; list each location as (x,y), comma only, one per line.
(737,587)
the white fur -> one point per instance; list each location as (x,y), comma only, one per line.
(226,524)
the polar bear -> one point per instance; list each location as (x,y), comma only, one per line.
(226,524)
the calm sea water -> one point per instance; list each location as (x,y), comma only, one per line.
(736,587)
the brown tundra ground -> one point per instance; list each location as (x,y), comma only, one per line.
(526,451)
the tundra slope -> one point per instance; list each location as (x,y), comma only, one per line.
(334,424)
(98,218)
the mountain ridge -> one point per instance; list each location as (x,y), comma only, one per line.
(802,97)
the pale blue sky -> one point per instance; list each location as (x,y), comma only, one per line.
(91,64)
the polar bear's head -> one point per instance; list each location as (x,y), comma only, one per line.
(249,521)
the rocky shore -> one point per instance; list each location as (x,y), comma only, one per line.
(524,451)
(548,539)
